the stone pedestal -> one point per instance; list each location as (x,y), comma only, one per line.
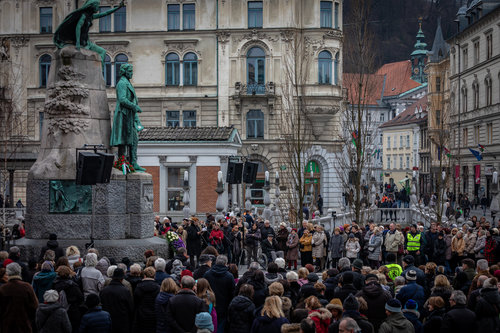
(118,215)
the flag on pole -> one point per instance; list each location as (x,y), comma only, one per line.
(476,154)
(447,152)
(481,147)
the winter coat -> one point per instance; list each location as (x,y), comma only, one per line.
(412,291)
(433,321)
(193,245)
(74,258)
(222,283)
(393,240)
(318,244)
(116,300)
(305,241)
(375,247)
(292,245)
(216,237)
(54,246)
(272,277)
(268,247)
(470,242)
(479,247)
(92,281)
(74,297)
(396,323)
(18,305)
(264,324)
(459,320)
(336,246)
(144,302)
(240,315)
(290,328)
(182,310)
(352,248)
(440,251)
(200,271)
(448,239)
(343,292)
(52,318)
(161,302)
(420,274)
(281,238)
(458,245)
(42,281)
(414,317)
(260,292)
(159,277)
(487,310)
(96,321)
(252,237)
(375,297)
(322,318)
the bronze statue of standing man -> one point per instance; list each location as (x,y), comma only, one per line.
(126,123)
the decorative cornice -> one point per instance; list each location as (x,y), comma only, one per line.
(256,35)
(333,34)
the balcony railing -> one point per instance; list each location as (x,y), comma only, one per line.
(252,89)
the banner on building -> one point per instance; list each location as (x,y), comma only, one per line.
(457,173)
(488,170)
(477,173)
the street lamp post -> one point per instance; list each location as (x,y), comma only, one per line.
(277,211)
(267,199)
(219,205)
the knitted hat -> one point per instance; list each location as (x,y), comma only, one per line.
(358,263)
(7,261)
(371,277)
(411,305)
(351,235)
(409,259)
(351,303)
(294,229)
(50,296)
(411,275)
(312,277)
(52,237)
(204,320)
(282,224)
(490,283)
(393,305)
(335,304)
(186,272)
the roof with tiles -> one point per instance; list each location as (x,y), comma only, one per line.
(186,134)
(374,85)
(398,78)
(415,113)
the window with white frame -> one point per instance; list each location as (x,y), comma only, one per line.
(175,191)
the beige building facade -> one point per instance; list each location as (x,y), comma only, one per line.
(200,63)
(475,98)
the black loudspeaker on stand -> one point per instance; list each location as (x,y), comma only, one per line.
(93,168)
(250,172)
(234,171)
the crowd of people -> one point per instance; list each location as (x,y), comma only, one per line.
(369,279)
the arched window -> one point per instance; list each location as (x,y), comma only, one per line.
(172,69)
(255,124)
(120,59)
(325,67)
(256,77)
(336,70)
(106,73)
(44,69)
(190,69)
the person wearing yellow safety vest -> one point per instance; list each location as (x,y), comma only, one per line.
(394,269)
(413,243)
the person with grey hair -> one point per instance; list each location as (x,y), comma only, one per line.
(51,317)
(15,256)
(222,283)
(184,306)
(458,319)
(92,279)
(18,302)
(160,275)
(349,325)
(43,280)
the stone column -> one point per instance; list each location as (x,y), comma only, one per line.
(185,199)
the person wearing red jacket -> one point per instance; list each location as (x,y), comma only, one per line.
(216,237)
(319,315)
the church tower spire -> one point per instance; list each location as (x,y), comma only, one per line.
(419,56)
